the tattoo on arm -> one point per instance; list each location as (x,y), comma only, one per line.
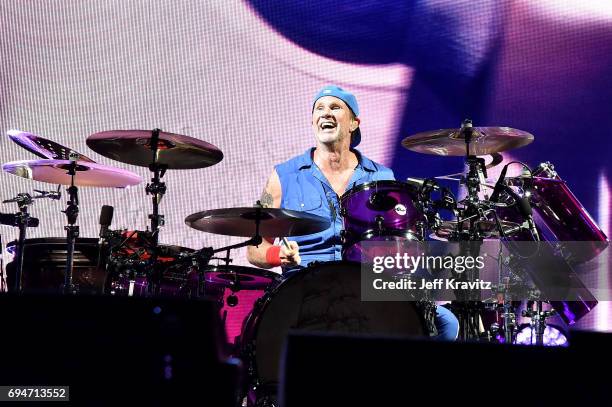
(266,199)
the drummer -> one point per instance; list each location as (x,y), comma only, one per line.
(314,181)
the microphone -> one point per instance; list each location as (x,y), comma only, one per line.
(423,184)
(11,219)
(524,207)
(526,210)
(106,218)
(499,185)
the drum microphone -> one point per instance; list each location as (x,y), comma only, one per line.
(423,184)
(106,218)
(524,207)
(499,185)
(526,211)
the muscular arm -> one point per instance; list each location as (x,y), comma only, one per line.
(270,198)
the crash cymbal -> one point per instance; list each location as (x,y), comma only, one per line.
(451,142)
(43,147)
(88,174)
(274,222)
(175,151)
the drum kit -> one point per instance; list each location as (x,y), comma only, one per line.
(259,306)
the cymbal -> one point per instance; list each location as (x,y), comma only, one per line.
(88,174)
(451,142)
(274,222)
(174,150)
(43,147)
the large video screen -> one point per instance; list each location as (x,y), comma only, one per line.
(242,74)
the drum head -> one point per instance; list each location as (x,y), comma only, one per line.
(239,276)
(323,298)
(386,205)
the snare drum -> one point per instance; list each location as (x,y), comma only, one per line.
(324,298)
(379,211)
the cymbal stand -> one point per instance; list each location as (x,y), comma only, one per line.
(156,188)
(23,220)
(466,308)
(538,320)
(72,230)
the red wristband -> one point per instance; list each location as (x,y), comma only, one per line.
(273,256)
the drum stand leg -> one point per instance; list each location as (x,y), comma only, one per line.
(156,189)
(467,308)
(72,230)
(22,219)
(538,320)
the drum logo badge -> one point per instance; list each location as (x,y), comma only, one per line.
(400,209)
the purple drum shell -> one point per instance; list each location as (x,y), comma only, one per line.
(565,217)
(392,201)
(560,217)
(245,284)
(571,311)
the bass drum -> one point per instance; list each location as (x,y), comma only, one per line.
(321,298)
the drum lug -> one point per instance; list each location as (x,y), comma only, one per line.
(379,219)
(343,238)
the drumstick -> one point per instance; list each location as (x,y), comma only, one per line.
(286,243)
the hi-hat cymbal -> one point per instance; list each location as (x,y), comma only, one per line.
(273,222)
(87,174)
(451,142)
(175,151)
(43,147)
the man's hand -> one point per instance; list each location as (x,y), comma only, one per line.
(290,256)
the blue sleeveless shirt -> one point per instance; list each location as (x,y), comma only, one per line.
(305,188)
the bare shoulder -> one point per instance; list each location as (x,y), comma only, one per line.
(271,195)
